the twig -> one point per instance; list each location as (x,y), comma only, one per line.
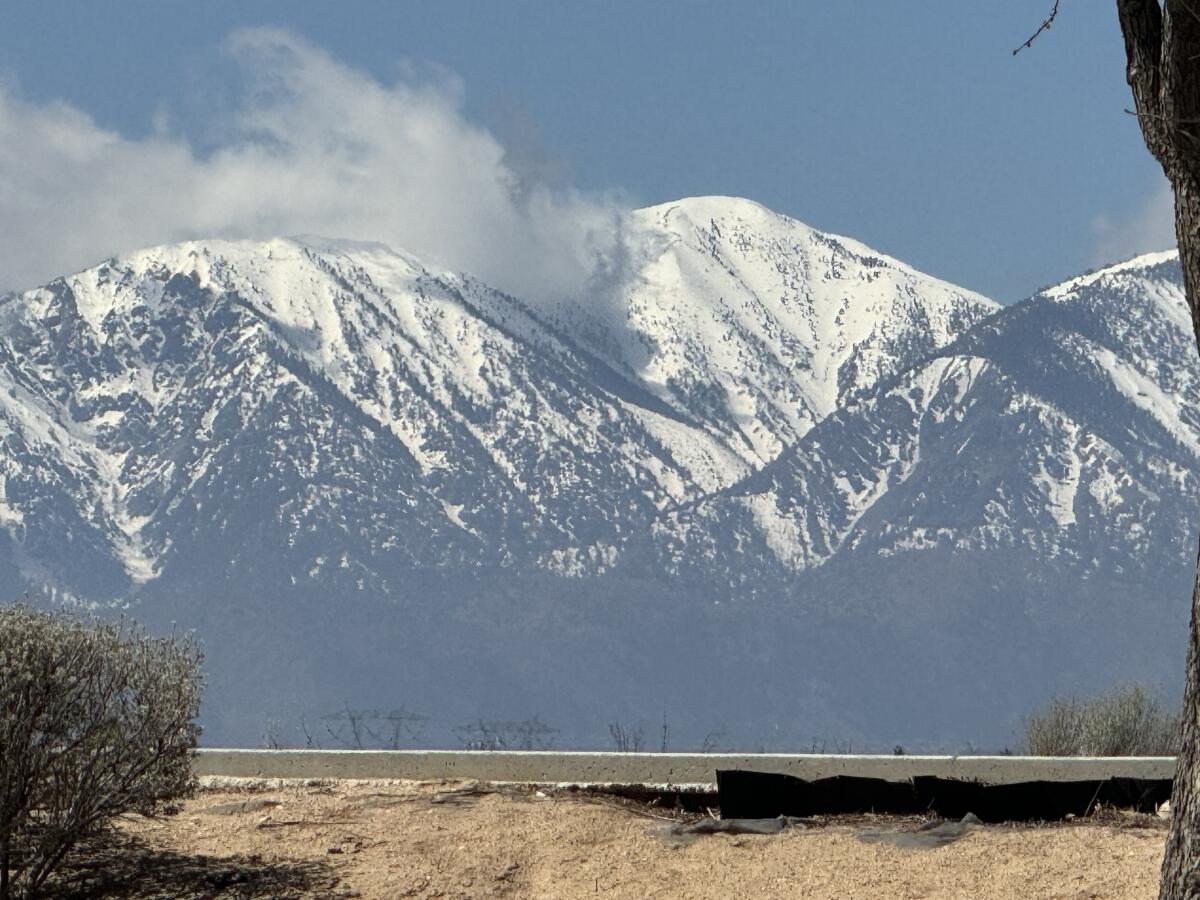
(633,810)
(1179,131)
(1045,26)
(1195,120)
(308,823)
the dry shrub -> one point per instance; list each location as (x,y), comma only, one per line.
(526,734)
(1127,721)
(627,738)
(96,720)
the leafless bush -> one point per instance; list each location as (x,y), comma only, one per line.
(526,734)
(1127,721)
(627,738)
(823,746)
(372,729)
(713,741)
(96,720)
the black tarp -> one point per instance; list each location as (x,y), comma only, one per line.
(763,795)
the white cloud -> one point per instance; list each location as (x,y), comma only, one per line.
(1150,227)
(316,147)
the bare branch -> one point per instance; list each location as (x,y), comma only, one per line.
(1045,26)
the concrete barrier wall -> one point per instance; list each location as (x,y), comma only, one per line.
(697,770)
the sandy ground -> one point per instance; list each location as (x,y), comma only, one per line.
(385,840)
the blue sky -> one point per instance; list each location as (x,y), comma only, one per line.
(909,126)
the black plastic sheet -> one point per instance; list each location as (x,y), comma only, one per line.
(763,795)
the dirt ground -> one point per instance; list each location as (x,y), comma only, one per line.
(404,839)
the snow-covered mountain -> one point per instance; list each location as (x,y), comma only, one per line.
(756,325)
(1066,427)
(341,404)
(437,421)
(366,481)
(1012,517)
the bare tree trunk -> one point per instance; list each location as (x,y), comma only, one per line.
(1181,863)
(1180,877)
(1162,46)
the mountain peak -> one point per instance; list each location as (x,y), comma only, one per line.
(1142,262)
(281,272)
(767,324)
(713,206)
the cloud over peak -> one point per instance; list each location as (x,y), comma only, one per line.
(313,146)
(1149,227)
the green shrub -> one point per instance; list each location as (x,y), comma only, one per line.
(1126,721)
(96,720)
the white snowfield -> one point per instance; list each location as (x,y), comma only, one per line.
(747,415)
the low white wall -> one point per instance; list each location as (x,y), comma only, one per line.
(678,769)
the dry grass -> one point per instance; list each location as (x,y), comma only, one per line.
(404,839)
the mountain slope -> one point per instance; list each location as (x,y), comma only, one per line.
(757,325)
(343,406)
(768,480)
(1067,426)
(1013,517)
(336,410)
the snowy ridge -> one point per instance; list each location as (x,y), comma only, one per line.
(196,345)
(145,377)
(823,473)
(1067,427)
(1132,265)
(760,326)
